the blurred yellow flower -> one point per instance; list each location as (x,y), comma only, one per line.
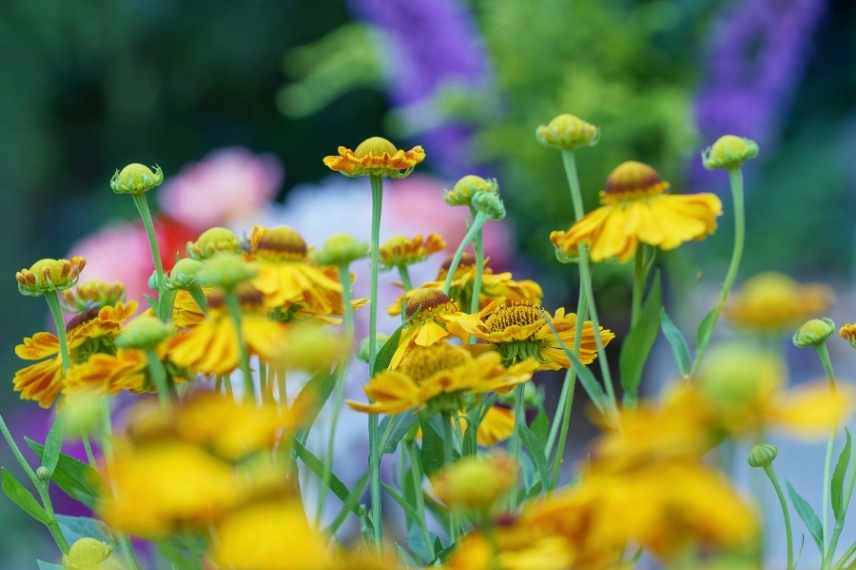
(848,333)
(442,375)
(773,303)
(476,482)
(496,426)
(109,373)
(375,156)
(635,207)
(400,250)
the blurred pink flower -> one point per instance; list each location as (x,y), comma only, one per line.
(223,188)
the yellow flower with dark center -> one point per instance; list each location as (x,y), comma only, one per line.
(442,375)
(520,331)
(848,333)
(273,535)
(375,156)
(47,275)
(432,318)
(402,251)
(109,373)
(89,333)
(774,303)
(636,208)
(211,346)
(93,294)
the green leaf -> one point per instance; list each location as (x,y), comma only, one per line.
(839,506)
(639,342)
(404,423)
(76,479)
(705,329)
(19,495)
(535,451)
(540,426)
(322,386)
(182,554)
(432,445)
(351,504)
(53,446)
(808,516)
(317,467)
(42,565)
(676,340)
(384,355)
(75,528)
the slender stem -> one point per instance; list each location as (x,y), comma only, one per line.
(416,474)
(404,274)
(59,322)
(374,448)
(474,229)
(87,448)
(846,557)
(339,396)
(158,373)
(570,165)
(448,458)
(142,205)
(234,307)
(786,515)
(826,362)
(478,246)
(639,275)
(735,178)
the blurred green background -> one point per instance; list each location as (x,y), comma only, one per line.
(90,86)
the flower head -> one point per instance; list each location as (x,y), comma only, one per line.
(729,152)
(466,188)
(772,302)
(212,241)
(91,554)
(136,178)
(184,273)
(145,332)
(375,156)
(226,270)
(762,455)
(813,332)
(848,333)
(636,207)
(92,294)
(48,275)
(476,483)
(402,251)
(567,132)
(341,249)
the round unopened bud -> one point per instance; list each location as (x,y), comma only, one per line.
(567,132)
(81,413)
(136,179)
(144,332)
(49,275)
(363,353)
(312,348)
(466,188)
(490,204)
(93,294)
(564,257)
(814,332)
(477,482)
(214,240)
(762,455)
(733,376)
(225,270)
(90,554)
(184,272)
(43,473)
(341,249)
(729,152)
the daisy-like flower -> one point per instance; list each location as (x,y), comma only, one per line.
(211,346)
(848,333)
(375,156)
(443,377)
(636,207)
(109,373)
(402,251)
(519,330)
(773,303)
(48,275)
(90,332)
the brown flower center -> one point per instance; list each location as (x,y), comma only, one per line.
(433,300)
(520,314)
(281,242)
(634,177)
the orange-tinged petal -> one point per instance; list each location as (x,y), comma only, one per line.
(814,411)
(38,346)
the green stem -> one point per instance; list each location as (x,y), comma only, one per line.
(234,307)
(478,246)
(474,229)
(87,448)
(846,557)
(826,362)
(158,372)
(570,165)
(448,459)
(339,396)
(786,515)
(639,275)
(735,178)
(142,205)
(59,322)
(416,474)
(404,274)
(374,448)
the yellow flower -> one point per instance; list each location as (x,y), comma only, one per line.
(47,275)
(273,535)
(520,330)
(90,332)
(402,251)
(772,302)
(109,373)
(93,294)
(635,207)
(164,486)
(848,333)
(442,375)
(375,156)
(496,426)
(476,482)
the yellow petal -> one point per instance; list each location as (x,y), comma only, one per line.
(814,411)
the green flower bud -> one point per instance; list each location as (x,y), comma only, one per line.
(90,554)
(144,332)
(466,188)
(733,376)
(567,132)
(341,249)
(81,413)
(729,152)
(43,473)
(184,272)
(563,257)
(136,179)
(814,332)
(489,203)
(762,455)
(225,270)
(49,275)
(363,353)
(93,294)
(214,240)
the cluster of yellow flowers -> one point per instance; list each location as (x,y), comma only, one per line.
(209,469)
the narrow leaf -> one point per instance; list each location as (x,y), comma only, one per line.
(432,446)
(838,476)
(808,516)
(73,477)
(75,528)
(19,495)
(705,329)
(42,565)
(639,342)
(53,446)
(384,355)
(676,340)
(535,450)
(351,504)
(404,423)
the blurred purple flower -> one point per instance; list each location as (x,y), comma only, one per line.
(432,44)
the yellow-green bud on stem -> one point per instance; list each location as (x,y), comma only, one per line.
(49,275)
(490,204)
(183,274)
(136,179)
(341,249)
(466,188)
(729,152)
(214,240)
(762,455)
(813,332)
(90,554)
(567,132)
(144,332)
(225,270)
(81,413)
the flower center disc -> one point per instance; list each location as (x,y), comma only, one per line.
(422,363)
(519,314)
